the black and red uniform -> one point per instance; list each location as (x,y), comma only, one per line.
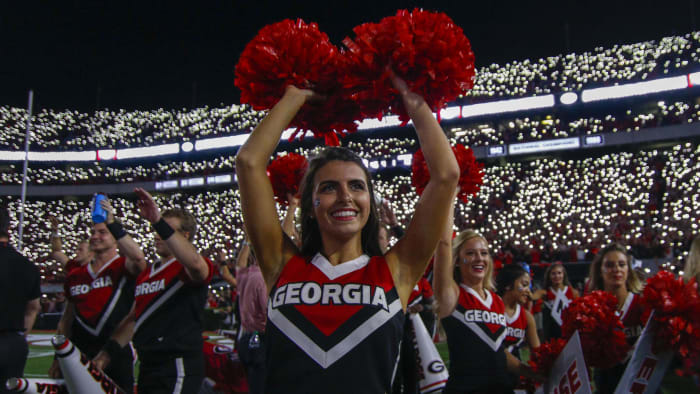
(475,332)
(333,328)
(516,330)
(554,304)
(102,299)
(631,316)
(168,329)
(71,265)
(515,336)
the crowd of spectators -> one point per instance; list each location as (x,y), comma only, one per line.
(496,132)
(541,210)
(72,130)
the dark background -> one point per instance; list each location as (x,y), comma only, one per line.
(85,55)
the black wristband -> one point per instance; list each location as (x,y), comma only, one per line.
(163,229)
(112,348)
(117,230)
(397,231)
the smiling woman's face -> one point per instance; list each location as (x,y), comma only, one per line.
(473,260)
(614,269)
(341,199)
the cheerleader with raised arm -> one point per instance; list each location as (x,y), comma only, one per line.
(337,303)
(473,316)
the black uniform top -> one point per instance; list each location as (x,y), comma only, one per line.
(169,306)
(101,301)
(333,328)
(19,283)
(475,332)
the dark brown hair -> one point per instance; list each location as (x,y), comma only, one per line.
(311,242)
(548,280)
(633,283)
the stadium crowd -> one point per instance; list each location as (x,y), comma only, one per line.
(496,132)
(532,211)
(72,130)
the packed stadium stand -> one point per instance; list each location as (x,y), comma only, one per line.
(636,182)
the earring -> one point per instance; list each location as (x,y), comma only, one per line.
(317,202)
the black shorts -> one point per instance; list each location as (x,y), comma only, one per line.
(174,374)
(14,350)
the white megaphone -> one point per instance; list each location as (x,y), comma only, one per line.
(36,386)
(81,376)
(433,374)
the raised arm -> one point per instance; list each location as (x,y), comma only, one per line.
(224,271)
(288,225)
(183,250)
(445,288)
(272,248)
(57,243)
(135,259)
(413,251)
(242,258)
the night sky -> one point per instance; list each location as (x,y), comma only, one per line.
(85,55)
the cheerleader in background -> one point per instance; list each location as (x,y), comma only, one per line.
(612,271)
(513,285)
(473,316)
(558,294)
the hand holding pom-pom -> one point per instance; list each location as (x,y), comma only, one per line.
(299,54)
(676,308)
(542,358)
(286,173)
(425,48)
(601,331)
(470,178)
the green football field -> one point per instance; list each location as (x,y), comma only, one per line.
(41,357)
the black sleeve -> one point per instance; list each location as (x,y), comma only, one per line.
(33,281)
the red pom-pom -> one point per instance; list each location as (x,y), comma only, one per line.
(286,173)
(601,331)
(470,178)
(542,358)
(295,53)
(676,306)
(425,48)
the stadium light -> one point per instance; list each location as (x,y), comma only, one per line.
(11,155)
(220,142)
(450,113)
(148,151)
(635,89)
(187,146)
(106,154)
(61,156)
(568,98)
(503,106)
(694,79)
